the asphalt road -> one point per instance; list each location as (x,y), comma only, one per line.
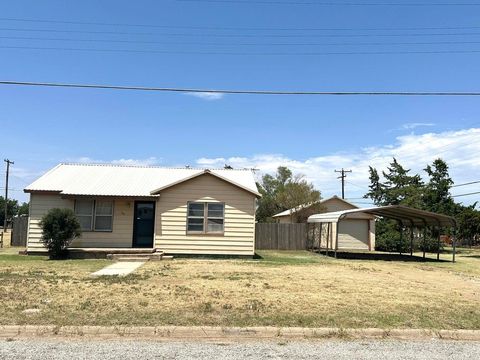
(322,349)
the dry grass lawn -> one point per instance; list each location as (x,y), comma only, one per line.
(281,289)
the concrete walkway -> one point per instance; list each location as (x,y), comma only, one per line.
(121,268)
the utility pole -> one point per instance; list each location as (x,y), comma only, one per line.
(343,176)
(6,193)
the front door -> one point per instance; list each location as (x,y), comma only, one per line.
(143,224)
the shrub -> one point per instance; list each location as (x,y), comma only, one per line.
(60,227)
(388,238)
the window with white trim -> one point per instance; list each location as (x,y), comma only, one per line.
(205,218)
(94,215)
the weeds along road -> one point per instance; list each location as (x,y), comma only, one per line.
(325,349)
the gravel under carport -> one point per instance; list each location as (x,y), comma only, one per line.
(327,349)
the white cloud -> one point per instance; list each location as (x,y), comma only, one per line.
(209,96)
(411,126)
(459,148)
(132,162)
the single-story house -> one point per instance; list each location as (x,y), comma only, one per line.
(357,232)
(176,210)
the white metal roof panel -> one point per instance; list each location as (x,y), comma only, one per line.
(406,215)
(120,180)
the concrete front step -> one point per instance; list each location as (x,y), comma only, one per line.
(156,256)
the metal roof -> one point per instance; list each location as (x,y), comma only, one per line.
(406,215)
(305,206)
(121,180)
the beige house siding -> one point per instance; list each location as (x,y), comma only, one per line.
(287,219)
(40,204)
(120,236)
(171,218)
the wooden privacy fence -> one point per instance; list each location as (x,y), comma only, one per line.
(273,236)
(19,231)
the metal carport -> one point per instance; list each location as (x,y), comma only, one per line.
(404,215)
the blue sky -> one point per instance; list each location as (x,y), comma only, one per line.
(313,135)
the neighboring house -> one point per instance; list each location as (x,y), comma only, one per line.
(357,232)
(177,210)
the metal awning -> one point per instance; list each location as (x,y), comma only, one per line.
(407,216)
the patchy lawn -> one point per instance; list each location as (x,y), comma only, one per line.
(281,289)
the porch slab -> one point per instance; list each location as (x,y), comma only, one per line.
(122,268)
(102,253)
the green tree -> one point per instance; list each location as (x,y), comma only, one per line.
(377,189)
(437,196)
(468,225)
(402,188)
(283,191)
(12,209)
(23,209)
(59,228)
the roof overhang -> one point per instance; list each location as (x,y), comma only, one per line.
(407,216)
(205,172)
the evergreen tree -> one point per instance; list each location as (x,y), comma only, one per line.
(437,196)
(402,188)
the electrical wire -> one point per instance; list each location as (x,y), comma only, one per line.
(182,52)
(465,184)
(196,34)
(233,91)
(335,4)
(229,28)
(241,44)
(472,193)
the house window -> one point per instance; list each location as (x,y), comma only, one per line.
(205,218)
(103,215)
(94,215)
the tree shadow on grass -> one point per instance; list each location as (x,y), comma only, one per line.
(382,256)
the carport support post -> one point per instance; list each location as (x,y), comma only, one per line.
(454,243)
(328,235)
(336,239)
(320,238)
(438,243)
(401,237)
(424,239)
(411,240)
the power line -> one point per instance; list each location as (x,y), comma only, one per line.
(472,193)
(196,34)
(199,27)
(243,92)
(358,186)
(335,4)
(242,44)
(465,184)
(10,189)
(245,53)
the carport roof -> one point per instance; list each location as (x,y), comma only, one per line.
(406,215)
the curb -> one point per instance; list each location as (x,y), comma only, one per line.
(230,333)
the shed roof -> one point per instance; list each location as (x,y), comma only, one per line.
(122,180)
(306,206)
(406,215)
